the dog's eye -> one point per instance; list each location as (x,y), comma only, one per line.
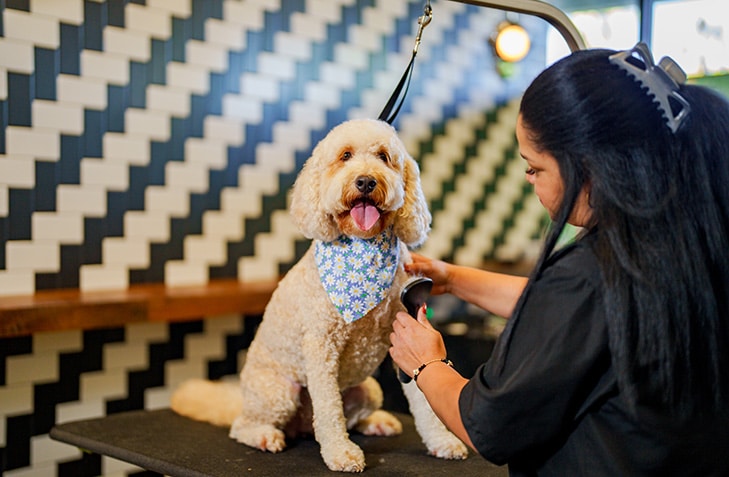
(383,156)
(346,155)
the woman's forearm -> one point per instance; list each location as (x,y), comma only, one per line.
(442,387)
(494,292)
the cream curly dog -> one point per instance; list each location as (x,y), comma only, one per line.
(326,328)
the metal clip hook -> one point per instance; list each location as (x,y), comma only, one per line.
(423,21)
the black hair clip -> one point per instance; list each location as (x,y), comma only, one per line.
(662,81)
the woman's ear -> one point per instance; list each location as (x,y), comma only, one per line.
(582,210)
(412,223)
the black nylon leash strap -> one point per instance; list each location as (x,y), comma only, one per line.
(392,108)
(389,112)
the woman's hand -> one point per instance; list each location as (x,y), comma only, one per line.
(436,270)
(415,342)
(494,292)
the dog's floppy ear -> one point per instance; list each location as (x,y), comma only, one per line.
(413,219)
(305,206)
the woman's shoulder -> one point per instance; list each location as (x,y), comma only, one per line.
(575,261)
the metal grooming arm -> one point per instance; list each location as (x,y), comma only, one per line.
(553,15)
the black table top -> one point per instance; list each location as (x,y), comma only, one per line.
(167,443)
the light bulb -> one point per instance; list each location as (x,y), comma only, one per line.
(512,42)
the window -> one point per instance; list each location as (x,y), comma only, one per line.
(616,27)
(694,33)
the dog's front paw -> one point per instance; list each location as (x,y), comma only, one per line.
(447,446)
(264,437)
(345,456)
(379,423)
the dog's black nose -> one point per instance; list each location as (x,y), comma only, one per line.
(366,184)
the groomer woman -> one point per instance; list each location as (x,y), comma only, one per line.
(615,359)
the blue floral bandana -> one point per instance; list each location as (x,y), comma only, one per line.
(357,273)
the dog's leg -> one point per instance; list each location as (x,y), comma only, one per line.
(362,405)
(439,441)
(337,450)
(269,402)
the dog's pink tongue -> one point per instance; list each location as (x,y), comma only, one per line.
(365,215)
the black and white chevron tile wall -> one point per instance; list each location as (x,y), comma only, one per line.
(155,141)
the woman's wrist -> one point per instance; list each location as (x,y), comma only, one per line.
(419,370)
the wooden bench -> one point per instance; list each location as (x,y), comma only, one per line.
(71,309)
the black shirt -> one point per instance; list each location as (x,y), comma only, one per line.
(547,402)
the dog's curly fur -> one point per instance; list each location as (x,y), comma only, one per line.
(307,369)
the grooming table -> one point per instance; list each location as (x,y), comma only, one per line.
(164,442)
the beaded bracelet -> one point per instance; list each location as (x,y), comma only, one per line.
(416,372)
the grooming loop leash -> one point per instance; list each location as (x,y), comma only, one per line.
(392,108)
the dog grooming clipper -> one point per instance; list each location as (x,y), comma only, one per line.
(414,294)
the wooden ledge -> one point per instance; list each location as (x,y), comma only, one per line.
(56,310)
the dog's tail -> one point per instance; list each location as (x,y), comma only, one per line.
(216,402)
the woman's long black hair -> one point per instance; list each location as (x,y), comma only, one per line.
(660,216)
